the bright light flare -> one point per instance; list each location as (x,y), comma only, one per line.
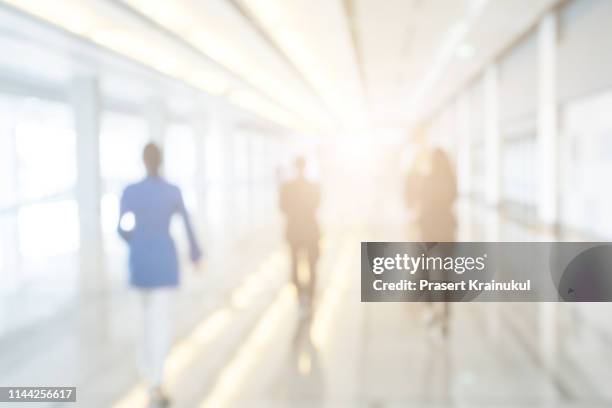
(128,221)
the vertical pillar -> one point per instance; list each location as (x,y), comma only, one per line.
(547,153)
(492,137)
(199,122)
(86,105)
(250,179)
(493,177)
(464,168)
(547,121)
(229,142)
(212,174)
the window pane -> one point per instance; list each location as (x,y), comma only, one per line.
(48,229)
(45,144)
(122,138)
(586,164)
(8,163)
(180,161)
(518,174)
(8,250)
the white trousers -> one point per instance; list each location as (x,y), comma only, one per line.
(157,332)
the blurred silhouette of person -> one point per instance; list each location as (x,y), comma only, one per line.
(299,201)
(437,194)
(146,210)
(430,192)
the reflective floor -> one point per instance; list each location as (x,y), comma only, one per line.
(241,341)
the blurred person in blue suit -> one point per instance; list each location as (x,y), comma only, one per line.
(145,212)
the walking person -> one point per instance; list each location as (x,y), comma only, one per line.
(145,213)
(437,220)
(437,194)
(299,201)
(430,194)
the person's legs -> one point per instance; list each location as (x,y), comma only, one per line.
(145,334)
(157,333)
(293,249)
(313,259)
(446,309)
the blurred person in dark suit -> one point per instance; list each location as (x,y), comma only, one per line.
(299,201)
(430,190)
(437,194)
(430,193)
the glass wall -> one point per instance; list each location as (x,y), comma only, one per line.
(39,229)
(519,167)
(584,57)
(217,174)
(242,180)
(180,155)
(265,158)
(478,156)
(586,164)
(518,99)
(585,96)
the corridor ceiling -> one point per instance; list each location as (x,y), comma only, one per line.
(306,64)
